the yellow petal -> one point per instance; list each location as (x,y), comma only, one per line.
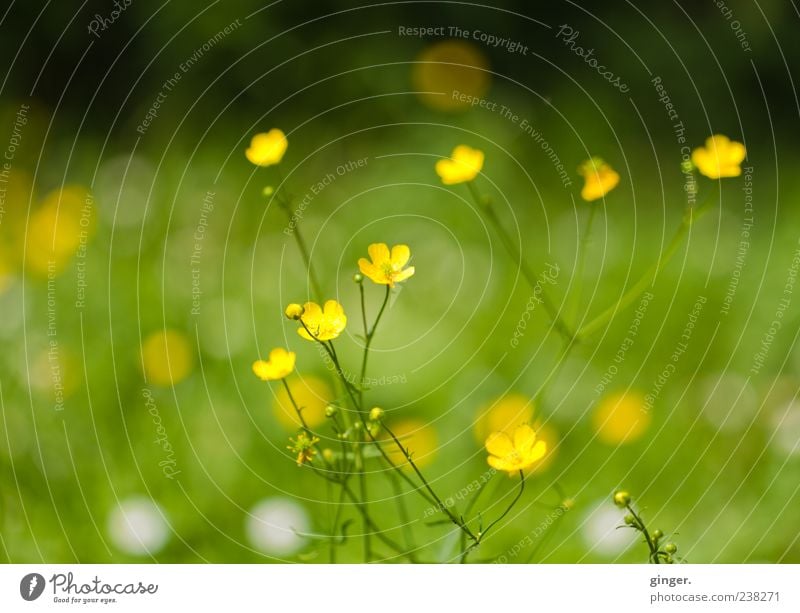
(524,438)
(500,464)
(536,453)
(400,256)
(499,444)
(378,253)
(404,274)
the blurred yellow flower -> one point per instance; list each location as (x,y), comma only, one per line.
(279,365)
(721,157)
(312,395)
(57,228)
(386,268)
(463,165)
(599,179)
(303,446)
(449,75)
(267,148)
(517,452)
(503,414)
(166,357)
(419,438)
(324,323)
(621,417)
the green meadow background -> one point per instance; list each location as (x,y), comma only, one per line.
(717,466)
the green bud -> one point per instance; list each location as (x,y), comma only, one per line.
(657,534)
(358,277)
(330,410)
(630,519)
(670,548)
(622,499)
(376,414)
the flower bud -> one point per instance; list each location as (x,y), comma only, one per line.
(657,534)
(330,410)
(622,499)
(376,414)
(630,519)
(670,548)
(268,191)
(358,277)
(294,311)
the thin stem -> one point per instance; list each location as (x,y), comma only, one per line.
(371,333)
(651,544)
(574,300)
(511,248)
(690,216)
(284,202)
(463,539)
(402,512)
(483,534)
(441,505)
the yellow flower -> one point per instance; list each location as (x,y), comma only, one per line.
(312,396)
(324,323)
(166,357)
(621,417)
(267,148)
(303,446)
(720,157)
(448,75)
(517,453)
(599,179)
(386,268)
(463,165)
(279,365)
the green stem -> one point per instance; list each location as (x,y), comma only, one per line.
(482,535)
(402,512)
(575,300)
(441,505)
(690,216)
(511,248)
(371,333)
(463,540)
(651,544)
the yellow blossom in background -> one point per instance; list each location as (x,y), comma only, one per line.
(549,436)
(267,148)
(463,165)
(166,357)
(419,438)
(386,268)
(720,158)
(312,396)
(57,228)
(599,179)
(303,446)
(279,365)
(325,323)
(514,452)
(448,75)
(503,414)
(621,417)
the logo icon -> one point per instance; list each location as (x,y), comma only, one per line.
(31,586)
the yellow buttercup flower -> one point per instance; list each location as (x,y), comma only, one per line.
(599,179)
(279,365)
(721,157)
(267,148)
(303,446)
(386,268)
(166,357)
(514,453)
(621,417)
(325,323)
(503,414)
(463,165)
